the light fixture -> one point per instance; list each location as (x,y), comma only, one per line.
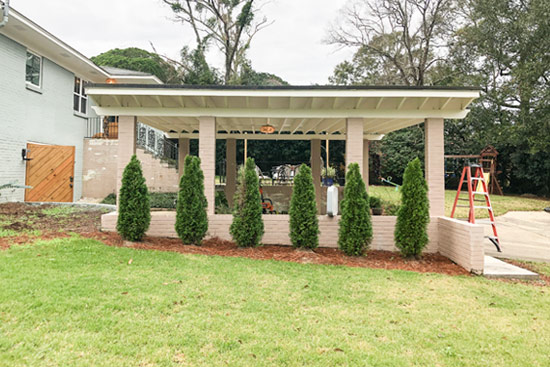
(111,81)
(267,128)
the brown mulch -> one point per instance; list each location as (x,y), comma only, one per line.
(23,217)
(430,263)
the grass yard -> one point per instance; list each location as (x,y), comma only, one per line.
(501,204)
(74,302)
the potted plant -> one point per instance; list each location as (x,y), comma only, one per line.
(375,205)
(328,174)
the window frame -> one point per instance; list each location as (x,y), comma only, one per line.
(81,96)
(40,72)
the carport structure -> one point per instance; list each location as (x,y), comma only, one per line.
(355,114)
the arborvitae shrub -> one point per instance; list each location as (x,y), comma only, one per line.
(134,212)
(411,230)
(247,227)
(191,217)
(304,224)
(355,232)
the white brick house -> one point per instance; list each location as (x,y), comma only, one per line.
(42,99)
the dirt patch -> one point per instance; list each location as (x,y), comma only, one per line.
(430,263)
(26,217)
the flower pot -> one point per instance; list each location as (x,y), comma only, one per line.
(328,181)
(377,211)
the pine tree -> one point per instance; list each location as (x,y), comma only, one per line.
(134,212)
(411,230)
(247,227)
(355,232)
(191,217)
(304,224)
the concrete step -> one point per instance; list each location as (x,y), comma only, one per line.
(495,268)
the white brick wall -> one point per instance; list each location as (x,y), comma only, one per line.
(28,116)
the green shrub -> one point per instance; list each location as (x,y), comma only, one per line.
(109,199)
(411,230)
(391,208)
(355,232)
(304,224)
(191,217)
(134,212)
(375,202)
(164,200)
(247,227)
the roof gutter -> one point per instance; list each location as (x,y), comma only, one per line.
(6,12)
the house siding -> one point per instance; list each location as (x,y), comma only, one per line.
(27,116)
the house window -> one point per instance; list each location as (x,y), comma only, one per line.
(33,73)
(80,99)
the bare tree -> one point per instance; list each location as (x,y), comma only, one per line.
(407,36)
(230,24)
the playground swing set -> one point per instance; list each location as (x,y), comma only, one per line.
(481,181)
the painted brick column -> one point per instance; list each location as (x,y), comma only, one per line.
(207,154)
(230,169)
(126,146)
(435,165)
(183,151)
(354,142)
(366,145)
(315,161)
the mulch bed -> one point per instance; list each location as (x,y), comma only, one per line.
(430,263)
(24,217)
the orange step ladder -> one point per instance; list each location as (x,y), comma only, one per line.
(476,187)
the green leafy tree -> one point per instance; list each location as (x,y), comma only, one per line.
(304,224)
(355,232)
(134,212)
(411,230)
(136,59)
(247,227)
(191,218)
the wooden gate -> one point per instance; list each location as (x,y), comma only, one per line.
(50,172)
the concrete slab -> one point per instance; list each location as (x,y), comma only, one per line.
(523,236)
(495,268)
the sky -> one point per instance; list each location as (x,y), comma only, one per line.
(292,47)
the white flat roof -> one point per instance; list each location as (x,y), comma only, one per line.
(306,111)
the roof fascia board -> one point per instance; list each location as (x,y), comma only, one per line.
(92,90)
(277,113)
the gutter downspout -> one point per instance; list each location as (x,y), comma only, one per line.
(6,12)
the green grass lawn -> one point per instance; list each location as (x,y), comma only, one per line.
(75,302)
(501,204)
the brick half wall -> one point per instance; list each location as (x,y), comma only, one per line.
(276,229)
(462,242)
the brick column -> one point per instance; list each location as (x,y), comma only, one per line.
(315,161)
(183,151)
(354,142)
(230,169)
(207,154)
(435,165)
(366,163)
(126,146)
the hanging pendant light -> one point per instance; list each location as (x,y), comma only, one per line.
(267,128)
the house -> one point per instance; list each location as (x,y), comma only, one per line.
(44,110)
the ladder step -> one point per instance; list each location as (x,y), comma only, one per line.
(483,207)
(477,179)
(476,200)
(480,193)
